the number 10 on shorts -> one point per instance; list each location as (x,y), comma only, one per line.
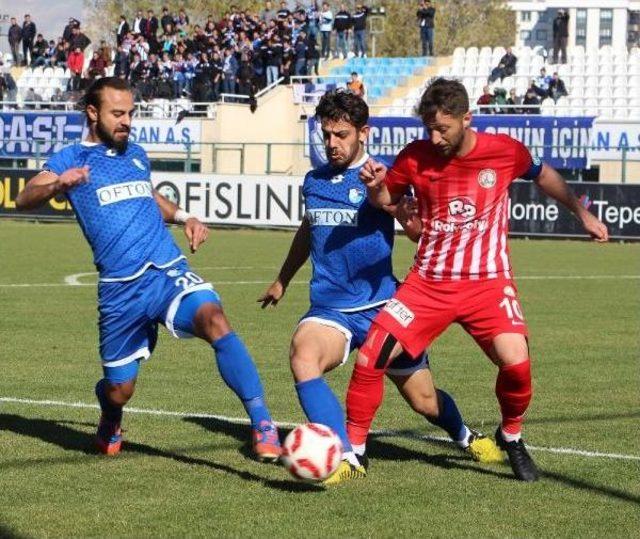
(511,306)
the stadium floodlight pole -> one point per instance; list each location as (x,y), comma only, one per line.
(377,17)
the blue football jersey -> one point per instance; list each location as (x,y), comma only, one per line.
(116,209)
(351,241)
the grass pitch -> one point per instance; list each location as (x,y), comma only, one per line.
(183,475)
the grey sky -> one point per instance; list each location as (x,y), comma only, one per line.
(50,16)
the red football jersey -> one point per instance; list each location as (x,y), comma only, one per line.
(463,204)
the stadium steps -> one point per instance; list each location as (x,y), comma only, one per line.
(415,81)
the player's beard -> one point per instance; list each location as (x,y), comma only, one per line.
(109,140)
(344,160)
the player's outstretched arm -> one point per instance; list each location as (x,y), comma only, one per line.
(47,185)
(194,230)
(552,184)
(297,256)
(372,174)
(406,213)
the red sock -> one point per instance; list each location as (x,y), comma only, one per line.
(364,396)
(513,389)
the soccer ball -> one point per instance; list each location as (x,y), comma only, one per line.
(312,452)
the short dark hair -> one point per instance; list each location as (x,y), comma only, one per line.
(341,104)
(92,95)
(443,95)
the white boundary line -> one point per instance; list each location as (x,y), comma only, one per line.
(73,280)
(245,421)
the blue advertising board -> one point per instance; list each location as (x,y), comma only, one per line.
(562,142)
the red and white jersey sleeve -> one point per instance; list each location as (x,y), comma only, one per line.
(464,207)
(399,177)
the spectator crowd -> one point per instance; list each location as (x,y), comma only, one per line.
(169,55)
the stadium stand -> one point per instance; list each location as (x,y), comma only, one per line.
(603,82)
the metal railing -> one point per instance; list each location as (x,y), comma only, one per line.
(290,158)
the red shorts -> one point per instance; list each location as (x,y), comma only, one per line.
(422,309)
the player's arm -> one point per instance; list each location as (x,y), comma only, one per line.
(372,174)
(46,185)
(406,213)
(297,256)
(552,184)
(194,230)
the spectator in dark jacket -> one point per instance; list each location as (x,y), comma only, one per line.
(121,63)
(166,20)
(28,35)
(342,24)
(426,20)
(557,88)
(68,29)
(300,49)
(531,101)
(360,30)
(560,35)
(313,56)
(229,72)
(505,68)
(123,30)
(15,37)
(38,52)
(78,39)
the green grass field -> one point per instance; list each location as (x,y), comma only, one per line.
(183,475)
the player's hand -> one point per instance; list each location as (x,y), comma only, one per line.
(273,294)
(72,177)
(596,228)
(405,210)
(196,233)
(372,174)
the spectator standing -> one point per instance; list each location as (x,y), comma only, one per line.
(342,25)
(326,26)
(121,63)
(166,21)
(301,55)
(138,23)
(68,29)
(229,72)
(15,37)
(217,65)
(28,35)
(287,59)
(273,61)
(355,85)
(150,30)
(360,30)
(283,13)
(560,36)
(506,67)
(268,13)
(123,30)
(557,88)
(426,19)
(313,19)
(75,63)
(78,39)
(313,56)
(245,76)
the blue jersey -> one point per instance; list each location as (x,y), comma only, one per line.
(116,210)
(351,242)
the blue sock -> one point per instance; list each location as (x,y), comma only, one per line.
(449,418)
(320,405)
(239,372)
(111,412)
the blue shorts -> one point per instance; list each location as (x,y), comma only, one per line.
(131,310)
(355,326)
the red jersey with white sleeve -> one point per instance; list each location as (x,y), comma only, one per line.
(463,205)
